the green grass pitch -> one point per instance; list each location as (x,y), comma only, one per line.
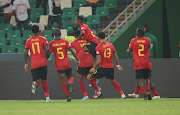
(163,106)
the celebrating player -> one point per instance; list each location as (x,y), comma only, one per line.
(36,45)
(140,46)
(59,47)
(86,64)
(88,35)
(153,52)
(105,51)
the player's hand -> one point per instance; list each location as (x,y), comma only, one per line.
(91,70)
(26,67)
(78,62)
(119,68)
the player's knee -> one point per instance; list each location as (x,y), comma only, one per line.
(112,80)
(89,77)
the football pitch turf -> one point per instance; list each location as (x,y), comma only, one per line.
(163,106)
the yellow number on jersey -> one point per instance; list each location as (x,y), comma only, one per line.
(93,34)
(83,44)
(107,53)
(60,52)
(142,49)
(33,49)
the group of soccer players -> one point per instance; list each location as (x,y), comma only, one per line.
(88,48)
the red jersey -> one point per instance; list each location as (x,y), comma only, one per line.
(60,48)
(86,60)
(89,35)
(106,51)
(140,47)
(36,45)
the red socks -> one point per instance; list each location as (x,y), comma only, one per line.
(37,84)
(118,87)
(64,86)
(143,91)
(45,87)
(137,90)
(148,87)
(83,88)
(93,84)
(155,92)
(71,79)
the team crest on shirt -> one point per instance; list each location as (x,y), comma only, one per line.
(69,44)
(97,52)
(47,41)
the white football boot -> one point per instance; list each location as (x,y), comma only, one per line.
(133,95)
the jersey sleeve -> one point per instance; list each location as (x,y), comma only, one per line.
(72,44)
(50,46)
(113,49)
(28,5)
(27,45)
(45,42)
(98,51)
(8,1)
(83,28)
(131,44)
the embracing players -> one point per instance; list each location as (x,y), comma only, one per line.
(62,65)
(140,47)
(105,51)
(36,44)
(86,64)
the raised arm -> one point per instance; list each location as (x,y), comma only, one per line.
(81,35)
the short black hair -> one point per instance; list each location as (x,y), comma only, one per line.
(146,27)
(80,18)
(140,31)
(57,32)
(35,29)
(77,33)
(101,35)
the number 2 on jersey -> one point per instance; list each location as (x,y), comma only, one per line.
(60,52)
(38,49)
(142,49)
(107,53)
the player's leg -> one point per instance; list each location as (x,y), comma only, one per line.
(139,77)
(43,71)
(153,89)
(109,74)
(62,77)
(146,77)
(36,79)
(136,93)
(68,73)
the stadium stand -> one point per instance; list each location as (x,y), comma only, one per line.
(44,19)
(85,11)
(8,49)
(13,21)
(66,4)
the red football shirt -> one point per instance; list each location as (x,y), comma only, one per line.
(86,60)
(106,51)
(60,48)
(36,45)
(89,35)
(140,47)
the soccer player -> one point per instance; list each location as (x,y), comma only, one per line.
(88,35)
(153,52)
(62,65)
(36,45)
(86,64)
(140,47)
(105,51)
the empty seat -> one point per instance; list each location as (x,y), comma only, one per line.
(79,3)
(102,11)
(1,19)
(54,26)
(16,42)
(41,26)
(3,42)
(6,27)
(8,49)
(63,33)
(14,34)
(36,12)
(69,11)
(44,19)
(32,3)
(2,34)
(110,4)
(94,20)
(66,25)
(64,18)
(13,21)
(48,33)
(21,49)
(27,34)
(85,11)
(66,4)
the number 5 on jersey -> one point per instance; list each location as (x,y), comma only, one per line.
(60,52)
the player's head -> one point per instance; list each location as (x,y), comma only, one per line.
(78,21)
(146,28)
(140,32)
(57,33)
(101,35)
(35,29)
(77,33)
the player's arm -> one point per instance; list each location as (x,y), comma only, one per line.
(129,51)
(117,61)
(98,61)
(26,56)
(155,48)
(4,6)
(48,53)
(81,35)
(29,13)
(74,54)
